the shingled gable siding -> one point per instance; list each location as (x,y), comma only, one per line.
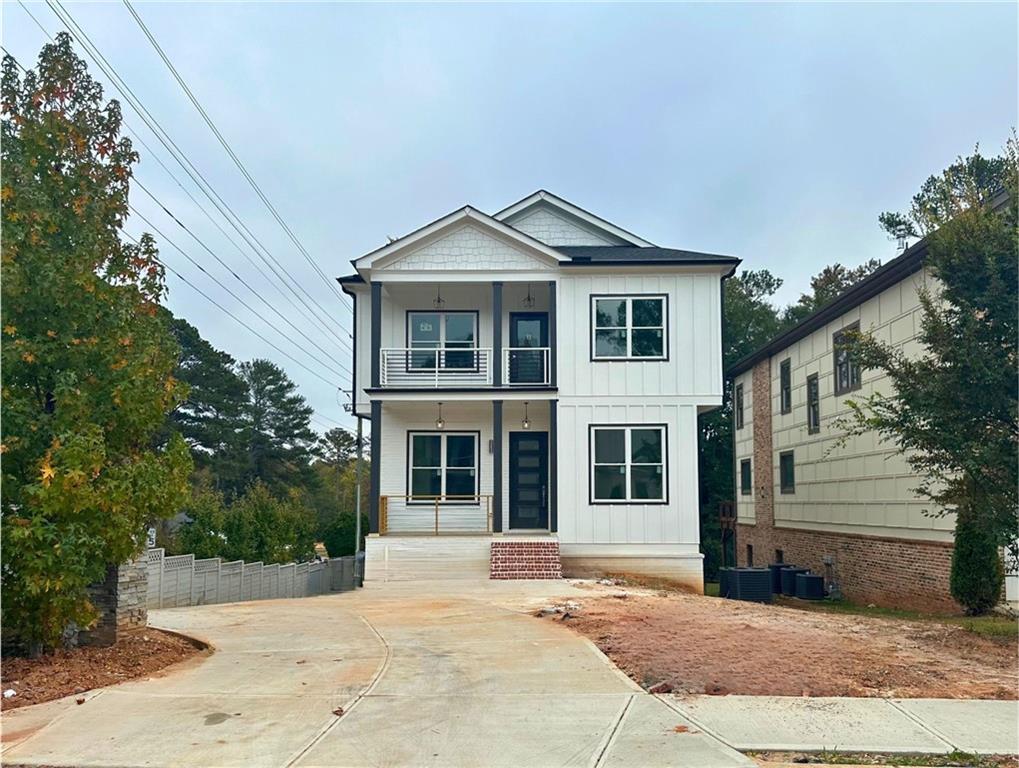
(870,569)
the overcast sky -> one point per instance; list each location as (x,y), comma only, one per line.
(775,133)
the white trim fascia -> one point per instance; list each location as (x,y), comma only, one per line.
(481,396)
(570,208)
(684,399)
(451,276)
(463,214)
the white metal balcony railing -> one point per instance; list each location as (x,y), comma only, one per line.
(527,366)
(449,367)
(463,367)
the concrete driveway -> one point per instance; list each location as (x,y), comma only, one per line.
(422,674)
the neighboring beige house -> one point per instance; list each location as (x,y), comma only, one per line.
(846,510)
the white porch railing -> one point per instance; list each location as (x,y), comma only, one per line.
(435,515)
(527,366)
(422,367)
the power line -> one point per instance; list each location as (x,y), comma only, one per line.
(233,155)
(226,311)
(185,163)
(229,269)
(234,295)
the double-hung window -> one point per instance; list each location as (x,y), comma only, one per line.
(628,328)
(785,385)
(746,481)
(628,463)
(813,405)
(847,370)
(443,340)
(787,472)
(443,465)
(738,406)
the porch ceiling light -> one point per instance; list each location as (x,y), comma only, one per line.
(440,423)
(528,300)
(526,423)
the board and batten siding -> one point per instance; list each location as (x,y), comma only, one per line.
(675,522)
(694,366)
(744,439)
(865,485)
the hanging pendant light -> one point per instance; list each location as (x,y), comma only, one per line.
(440,423)
(528,300)
(438,302)
(526,423)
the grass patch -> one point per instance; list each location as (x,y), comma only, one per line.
(992,625)
(956,759)
(711,588)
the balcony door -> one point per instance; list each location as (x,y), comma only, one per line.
(528,356)
(445,341)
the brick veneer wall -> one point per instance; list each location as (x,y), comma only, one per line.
(525,560)
(121,601)
(868,569)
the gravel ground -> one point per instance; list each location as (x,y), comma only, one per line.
(695,644)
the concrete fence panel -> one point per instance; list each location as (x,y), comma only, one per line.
(205,582)
(230,581)
(177,576)
(251,586)
(154,568)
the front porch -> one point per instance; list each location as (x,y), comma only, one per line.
(463,468)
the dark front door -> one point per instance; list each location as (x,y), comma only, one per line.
(528,480)
(528,363)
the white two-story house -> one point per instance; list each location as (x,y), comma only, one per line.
(533,380)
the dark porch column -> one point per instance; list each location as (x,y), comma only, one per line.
(376,467)
(496,466)
(497,335)
(552,334)
(376,332)
(553,462)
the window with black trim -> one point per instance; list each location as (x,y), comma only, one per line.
(785,379)
(746,481)
(786,472)
(737,406)
(628,463)
(435,339)
(628,328)
(813,404)
(847,370)
(750,555)
(443,465)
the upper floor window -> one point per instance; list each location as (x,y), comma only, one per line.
(785,377)
(444,465)
(628,463)
(628,327)
(786,472)
(813,405)
(746,482)
(847,370)
(738,406)
(440,336)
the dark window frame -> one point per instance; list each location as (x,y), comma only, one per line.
(750,555)
(785,487)
(409,342)
(663,358)
(476,434)
(746,489)
(592,501)
(737,405)
(785,386)
(854,382)
(813,404)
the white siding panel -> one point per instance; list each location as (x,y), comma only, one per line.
(468,248)
(554,229)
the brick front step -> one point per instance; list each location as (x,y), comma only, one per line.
(525,560)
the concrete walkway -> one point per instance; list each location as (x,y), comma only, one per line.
(445,674)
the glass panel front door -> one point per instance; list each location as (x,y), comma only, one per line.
(528,480)
(528,340)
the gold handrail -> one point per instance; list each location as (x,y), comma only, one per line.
(437,502)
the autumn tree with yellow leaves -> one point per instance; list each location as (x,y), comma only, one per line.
(87,358)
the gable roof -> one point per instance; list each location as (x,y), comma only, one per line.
(910,261)
(546,197)
(461,215)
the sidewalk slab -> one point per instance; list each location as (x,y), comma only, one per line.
(792,724)
(653,734)
(983,727)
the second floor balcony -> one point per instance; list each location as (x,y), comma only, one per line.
(464,367)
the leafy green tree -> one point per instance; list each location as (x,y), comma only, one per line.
(338,446)
(87,358)
(953,410)
(280,441)
(826,286)
(750,321)
(203,533)
(260,526)
(212,418)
